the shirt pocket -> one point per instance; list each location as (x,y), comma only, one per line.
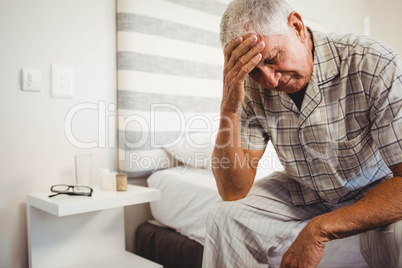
(356,155)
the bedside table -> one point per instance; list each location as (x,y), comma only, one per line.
(81,231)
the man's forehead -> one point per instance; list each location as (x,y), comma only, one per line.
(272,52)
(273,44)
(272,40)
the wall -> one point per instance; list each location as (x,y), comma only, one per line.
(35,153)
(346,16)
(385,23)
(342,16)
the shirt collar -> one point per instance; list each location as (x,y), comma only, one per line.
(326,60)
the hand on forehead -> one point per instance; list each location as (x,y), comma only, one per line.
(248,35)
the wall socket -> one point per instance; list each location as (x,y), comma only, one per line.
(31,79)
(62,81)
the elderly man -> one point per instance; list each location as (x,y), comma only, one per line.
(332,107)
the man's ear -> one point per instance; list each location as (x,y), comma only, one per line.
(295,23)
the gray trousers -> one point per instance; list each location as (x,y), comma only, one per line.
(257,230)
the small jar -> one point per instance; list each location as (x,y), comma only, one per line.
(121,182)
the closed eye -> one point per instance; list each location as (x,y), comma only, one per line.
(254,71)
(272,60)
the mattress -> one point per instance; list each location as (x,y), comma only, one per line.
(188,194)
(165,246)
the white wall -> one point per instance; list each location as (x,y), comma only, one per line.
(342,16)
(35,153)
(385,22)
(346,16)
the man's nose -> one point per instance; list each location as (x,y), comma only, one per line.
(271,76)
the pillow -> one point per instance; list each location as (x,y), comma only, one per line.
(269,162)
(194,149)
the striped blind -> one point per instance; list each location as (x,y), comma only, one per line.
(169,77)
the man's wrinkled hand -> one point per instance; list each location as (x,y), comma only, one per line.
(242,55)
(306,251)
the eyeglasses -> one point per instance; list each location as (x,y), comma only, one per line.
(70,190)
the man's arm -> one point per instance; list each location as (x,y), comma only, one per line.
(234,172)
(380,207)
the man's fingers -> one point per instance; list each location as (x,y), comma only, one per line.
(240,66)
(242,49)
(243,60)
(230,47)
(248,67)
(234,51)
(248,61)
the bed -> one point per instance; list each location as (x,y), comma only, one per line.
(176,237)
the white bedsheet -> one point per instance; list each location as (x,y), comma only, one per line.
(187,195)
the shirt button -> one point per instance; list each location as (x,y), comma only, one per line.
(309,159)
(322,194)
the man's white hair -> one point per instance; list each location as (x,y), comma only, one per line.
(261,17)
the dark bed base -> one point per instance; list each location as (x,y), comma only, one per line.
(167,247)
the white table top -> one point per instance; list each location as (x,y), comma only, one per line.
(64,205)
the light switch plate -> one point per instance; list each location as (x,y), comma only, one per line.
(31,79)
(62,81)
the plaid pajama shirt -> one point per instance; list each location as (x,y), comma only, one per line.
(349,129)
(334,150)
